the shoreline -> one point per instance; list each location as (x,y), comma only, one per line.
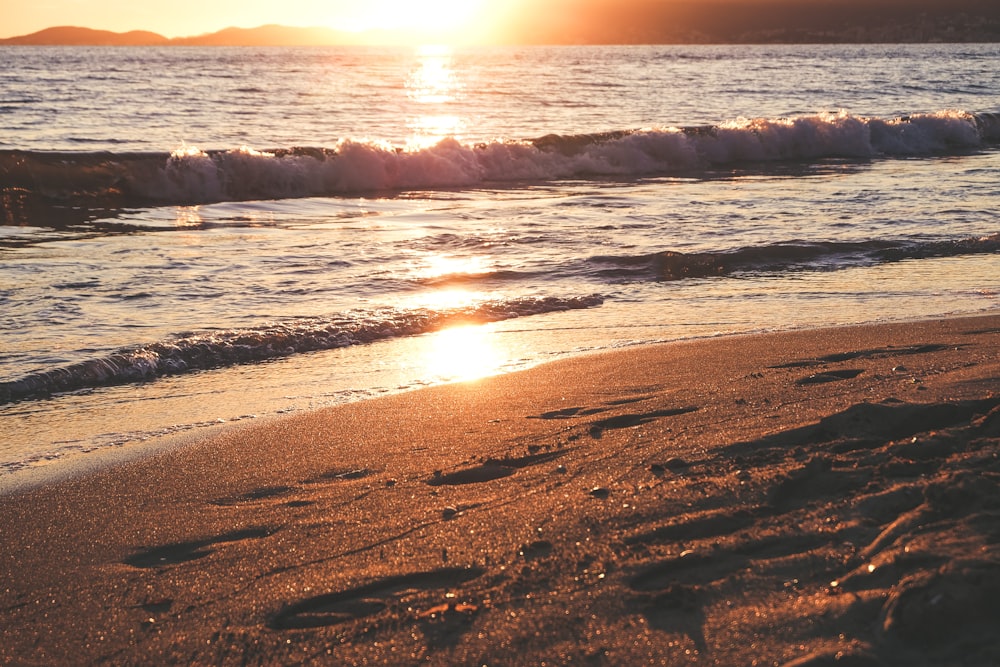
(692,502)
(46,466)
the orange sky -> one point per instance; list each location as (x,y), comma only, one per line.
(182,18)
(474,21)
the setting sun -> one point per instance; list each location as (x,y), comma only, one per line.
(436,17)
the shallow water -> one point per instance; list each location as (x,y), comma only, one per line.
(591,198)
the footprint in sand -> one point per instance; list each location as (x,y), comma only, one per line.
(705,525)
(598,427)
(569,413)
(678,609)
(830,376)
(356,603)
(263,493)
(493,469)
(269,493)
(891,418)
(341,475)
(182,552)
(864,354)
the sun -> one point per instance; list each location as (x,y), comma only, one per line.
(435,17)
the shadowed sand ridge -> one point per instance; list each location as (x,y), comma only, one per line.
(700,503)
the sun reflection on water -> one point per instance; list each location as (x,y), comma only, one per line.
(433,81)
(432,88)
(446,299)
(188,217)
(467,348)
(442,267)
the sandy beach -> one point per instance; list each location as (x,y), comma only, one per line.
(820,497)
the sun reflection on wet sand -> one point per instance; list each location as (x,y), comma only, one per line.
(466,349)
(464,353)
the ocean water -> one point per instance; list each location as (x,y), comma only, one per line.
(196,236)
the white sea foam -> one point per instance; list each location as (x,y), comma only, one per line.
(191,175)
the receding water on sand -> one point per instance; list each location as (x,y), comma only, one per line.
(149,286)
(120,416)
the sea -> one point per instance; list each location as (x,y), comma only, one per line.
(192,237)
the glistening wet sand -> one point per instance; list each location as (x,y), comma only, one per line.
(771,499)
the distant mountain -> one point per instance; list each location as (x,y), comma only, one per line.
(73,36)
(266,35)
(269,35)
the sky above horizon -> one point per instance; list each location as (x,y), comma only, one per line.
(458,21)
(185,18)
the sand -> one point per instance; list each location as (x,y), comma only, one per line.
(826,497)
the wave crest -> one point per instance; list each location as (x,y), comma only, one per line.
(781,257)
(192,176)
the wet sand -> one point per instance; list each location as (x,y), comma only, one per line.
(826,497)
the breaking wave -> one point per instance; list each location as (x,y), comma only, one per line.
(193,176)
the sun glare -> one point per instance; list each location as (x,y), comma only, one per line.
(464,353)
(438,18)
